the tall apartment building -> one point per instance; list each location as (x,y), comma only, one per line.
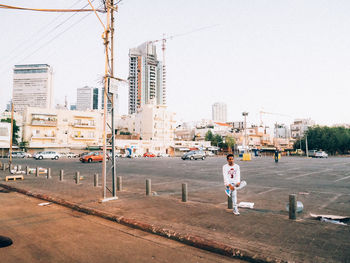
(219,112)
(87,98)
(146,77)
(32,86)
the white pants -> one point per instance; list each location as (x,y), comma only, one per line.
(234,194)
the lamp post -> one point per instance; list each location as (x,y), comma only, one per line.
(245,114)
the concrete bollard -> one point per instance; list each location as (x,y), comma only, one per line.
(37,171)
(19,167)
(61,175)
(229,202)
(119,183)
(184,192)
(4,167)
(292,207)
(48,175)
(0,164)
(27,170)
(77,177)
(95,180)
(148,186)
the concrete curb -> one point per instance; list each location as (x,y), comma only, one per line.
(188,239)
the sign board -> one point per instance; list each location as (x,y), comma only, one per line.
(114,84)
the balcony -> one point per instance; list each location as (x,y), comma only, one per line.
(43,122)
(43,137)
(84,125)
(82,138)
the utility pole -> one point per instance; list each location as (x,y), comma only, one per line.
(306,146)
(108,96)
(11,136)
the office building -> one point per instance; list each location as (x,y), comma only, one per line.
(32,86)
(219,112)
(87,98)
(146,77)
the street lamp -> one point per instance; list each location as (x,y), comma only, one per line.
(245,114)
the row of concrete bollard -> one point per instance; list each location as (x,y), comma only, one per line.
(148,189)
(292,198)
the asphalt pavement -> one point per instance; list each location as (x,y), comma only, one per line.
(53,233)
(264,232)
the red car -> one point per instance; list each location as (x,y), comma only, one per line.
(149,155)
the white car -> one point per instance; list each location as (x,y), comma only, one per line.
(47,155)
(321,154)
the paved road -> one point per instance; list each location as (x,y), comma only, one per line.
(322,183)
(56,234)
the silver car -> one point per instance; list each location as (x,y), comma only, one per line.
(47,155)
(194,155)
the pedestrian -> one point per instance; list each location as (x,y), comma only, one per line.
(276,155)
(232,180)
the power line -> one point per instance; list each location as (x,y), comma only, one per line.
(50,10)
(52,39)
(45,35)
(24,43)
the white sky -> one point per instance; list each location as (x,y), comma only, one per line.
(287,57)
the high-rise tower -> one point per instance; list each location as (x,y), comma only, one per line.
(146,77)
(219,112)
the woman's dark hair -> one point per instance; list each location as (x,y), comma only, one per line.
(229,155)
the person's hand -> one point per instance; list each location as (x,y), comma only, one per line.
(238,184)
(232,187)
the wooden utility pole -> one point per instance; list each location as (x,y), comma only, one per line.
(11,136)
(108,96)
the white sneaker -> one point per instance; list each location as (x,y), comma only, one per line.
(235,212)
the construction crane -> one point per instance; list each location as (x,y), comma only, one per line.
(163,40)
(271,113)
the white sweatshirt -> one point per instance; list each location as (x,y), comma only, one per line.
(232,174)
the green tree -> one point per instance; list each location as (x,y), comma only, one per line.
(230,142)
(217,140)
(330,139)
(23,145)
(15,131)
(209,136)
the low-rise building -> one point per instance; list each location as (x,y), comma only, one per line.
(300,126)
(5,137)
(62,130)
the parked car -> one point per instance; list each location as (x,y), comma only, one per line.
(163,155)
(84,153)
(149,155)
(92,157)
(209,154)
(321,154)
(312,153)
(17,155)
(72,155)
(47,155)
(194,155)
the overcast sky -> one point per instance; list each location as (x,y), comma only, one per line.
(286,57)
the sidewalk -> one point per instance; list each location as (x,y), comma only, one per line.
(257,235)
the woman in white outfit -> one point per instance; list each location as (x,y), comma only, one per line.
(232,180)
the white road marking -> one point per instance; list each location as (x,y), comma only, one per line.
(330,201)
(267,191)
(302,175)
(344,178)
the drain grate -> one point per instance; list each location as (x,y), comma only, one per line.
(5,241)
